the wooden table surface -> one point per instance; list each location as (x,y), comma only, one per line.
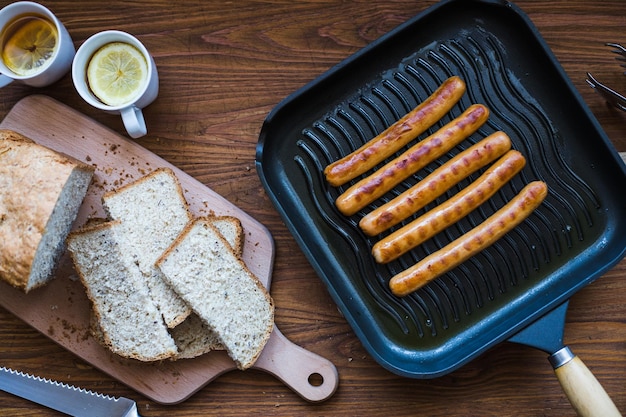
(223,66)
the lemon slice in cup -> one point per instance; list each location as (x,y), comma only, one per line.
(116,73)
(31,45)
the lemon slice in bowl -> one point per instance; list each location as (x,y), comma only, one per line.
(30,47)
(116,73)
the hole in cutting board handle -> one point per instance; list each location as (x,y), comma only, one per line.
(316,379)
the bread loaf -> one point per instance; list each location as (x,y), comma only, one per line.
(152,211)
(40,194)
(203,269)
(129,322)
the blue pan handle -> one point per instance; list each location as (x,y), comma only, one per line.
(583,390)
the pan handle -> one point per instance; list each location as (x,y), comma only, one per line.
(583,390)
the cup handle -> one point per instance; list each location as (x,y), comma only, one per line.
(134,122)
(4,80)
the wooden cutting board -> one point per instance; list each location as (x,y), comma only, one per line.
(61,310)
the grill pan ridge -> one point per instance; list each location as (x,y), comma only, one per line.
(488,298)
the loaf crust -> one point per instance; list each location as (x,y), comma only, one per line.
(40,193)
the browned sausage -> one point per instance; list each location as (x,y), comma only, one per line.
(435,184)
(417,157)
(398,134)
(472,242)
(451,211)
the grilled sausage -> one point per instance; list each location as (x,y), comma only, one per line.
(451,211)
(397,135)
(469,244)
(435,184)
(417,157)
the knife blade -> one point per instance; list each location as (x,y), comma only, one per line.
(65,398)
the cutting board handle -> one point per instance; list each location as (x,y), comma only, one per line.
(583,390)
(311,376)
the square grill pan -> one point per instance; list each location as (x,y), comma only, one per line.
(577,234)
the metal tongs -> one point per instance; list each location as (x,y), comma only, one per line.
(610,95)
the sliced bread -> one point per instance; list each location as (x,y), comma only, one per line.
(230,228)
(203,269)
(153,212)
(41,192)
(193,336)
(129,322)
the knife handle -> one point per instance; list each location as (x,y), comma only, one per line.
(583,390)
(311,376)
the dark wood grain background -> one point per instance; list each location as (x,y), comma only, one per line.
(223,66)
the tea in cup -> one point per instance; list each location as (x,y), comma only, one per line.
(114,72)
(35,47)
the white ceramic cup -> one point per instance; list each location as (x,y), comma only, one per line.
(56,66)
(131,112)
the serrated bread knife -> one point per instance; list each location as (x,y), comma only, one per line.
(65,398)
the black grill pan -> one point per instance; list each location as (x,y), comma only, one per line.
(577,234)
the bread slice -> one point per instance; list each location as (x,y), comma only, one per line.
(193,336)
(40,194)
(129,322)
(153,212)
(230,228)
(203,269)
